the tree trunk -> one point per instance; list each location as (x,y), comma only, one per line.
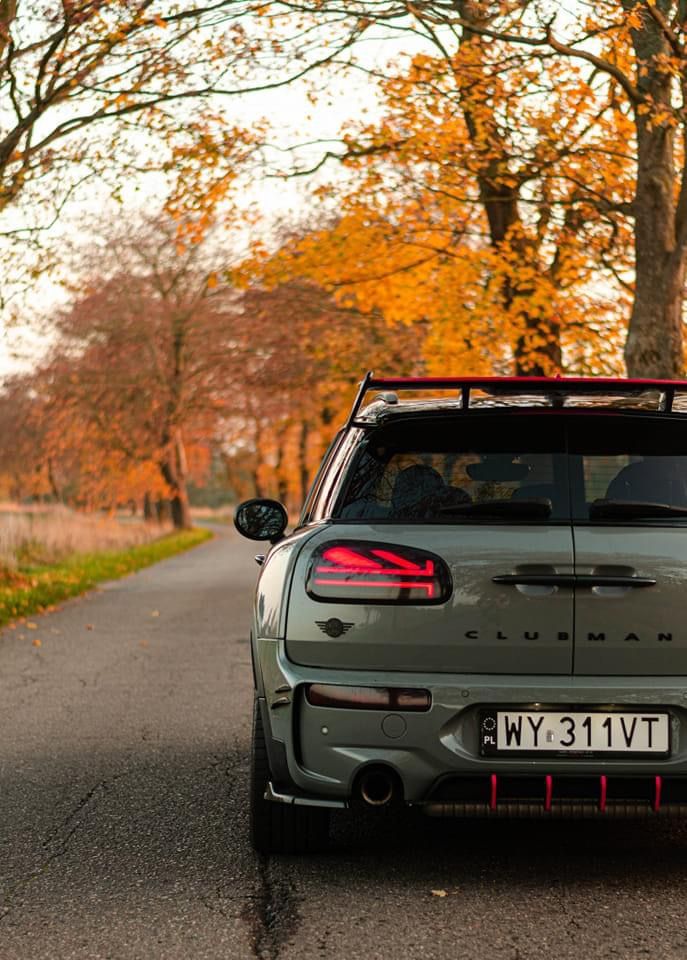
(52,480)
(303,471)
(654,346)
(500,198)
(162,511)
(174,471)
(280,470)
(181,511)
(257,440)
(148,509)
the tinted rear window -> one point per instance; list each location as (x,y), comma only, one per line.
(628,460)
(450,469)
(438,469)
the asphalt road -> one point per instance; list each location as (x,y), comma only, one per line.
(123,769)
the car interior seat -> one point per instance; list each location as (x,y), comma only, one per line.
(542,491)
(659,480)
(415,488)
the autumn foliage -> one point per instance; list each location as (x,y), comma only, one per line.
(516,204)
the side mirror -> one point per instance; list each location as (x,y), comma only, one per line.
(261,520)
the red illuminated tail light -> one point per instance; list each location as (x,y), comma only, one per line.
(355,571)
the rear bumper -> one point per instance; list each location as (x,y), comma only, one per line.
(316,753)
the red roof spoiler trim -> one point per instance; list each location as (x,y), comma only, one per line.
(514,385)
(620,383)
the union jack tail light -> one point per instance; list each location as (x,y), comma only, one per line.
(357,571)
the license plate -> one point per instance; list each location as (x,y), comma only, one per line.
(573,731)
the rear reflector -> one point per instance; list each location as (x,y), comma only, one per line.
(356,571)
(368,698)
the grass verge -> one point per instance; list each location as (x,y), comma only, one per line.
(32,589)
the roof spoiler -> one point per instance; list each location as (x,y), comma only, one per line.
(554,386)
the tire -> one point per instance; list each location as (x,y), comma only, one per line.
(280,827)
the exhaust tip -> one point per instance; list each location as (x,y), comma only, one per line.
(378,787)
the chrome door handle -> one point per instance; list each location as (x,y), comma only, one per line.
(570,580)
(537,579)
(591,580)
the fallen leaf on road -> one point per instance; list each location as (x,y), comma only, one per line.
(89,626)
(37,642)
(31,626)
(439,893)
(154,613)
(143,643)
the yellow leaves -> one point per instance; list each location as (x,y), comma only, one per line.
(482,204)
(633,18)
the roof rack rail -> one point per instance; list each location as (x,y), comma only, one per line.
(515,385)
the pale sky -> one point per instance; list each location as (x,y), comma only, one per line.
(293,119)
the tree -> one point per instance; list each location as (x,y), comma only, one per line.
(635,52)
(145,352)
(302,357)
(471,210)
(119,87)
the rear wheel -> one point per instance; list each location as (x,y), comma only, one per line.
(280,827)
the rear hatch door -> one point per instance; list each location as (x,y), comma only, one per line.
(486,494)
(629,489)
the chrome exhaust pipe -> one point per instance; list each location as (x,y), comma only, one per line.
(377,787)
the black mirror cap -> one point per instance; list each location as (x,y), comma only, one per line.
(260,519)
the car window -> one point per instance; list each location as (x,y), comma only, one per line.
(628,464)
(453,470)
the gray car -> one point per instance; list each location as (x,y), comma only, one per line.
(481,612)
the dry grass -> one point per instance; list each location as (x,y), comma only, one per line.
(45,536)
(31,589)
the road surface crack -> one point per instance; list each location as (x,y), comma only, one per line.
(272,913)
(57,843)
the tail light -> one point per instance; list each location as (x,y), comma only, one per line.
(355,571)
(368,698)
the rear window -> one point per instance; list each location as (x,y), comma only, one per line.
(518,468)
(458,469)
(626,463)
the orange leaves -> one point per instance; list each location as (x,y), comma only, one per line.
(482,204)
(206,165)
(142,355)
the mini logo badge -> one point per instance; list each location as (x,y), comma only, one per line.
(333,627)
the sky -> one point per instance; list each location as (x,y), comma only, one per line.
(293,119)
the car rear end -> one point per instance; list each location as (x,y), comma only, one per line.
(483,613)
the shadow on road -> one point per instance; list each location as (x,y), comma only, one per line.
(174,815)
(147,835)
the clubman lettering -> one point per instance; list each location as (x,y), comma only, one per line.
(601,637)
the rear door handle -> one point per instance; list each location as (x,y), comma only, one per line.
(537,579)
(570,580)
(591,580)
